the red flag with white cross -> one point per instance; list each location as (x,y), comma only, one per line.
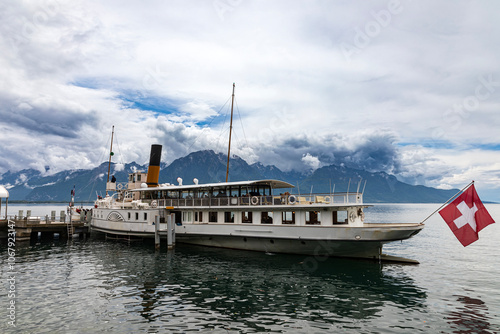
(466,216)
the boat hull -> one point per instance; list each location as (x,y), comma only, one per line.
(341,248)
(337,241)
(340,241)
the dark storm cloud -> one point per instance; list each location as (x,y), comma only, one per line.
(372,151)
(44,120)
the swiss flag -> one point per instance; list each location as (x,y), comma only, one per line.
(466,216)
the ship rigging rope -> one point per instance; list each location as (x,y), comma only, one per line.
(120,155)
(93,180)
(241,122)
(224,131)
(208,125)
(101,158)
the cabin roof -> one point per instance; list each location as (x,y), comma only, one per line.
(275,184)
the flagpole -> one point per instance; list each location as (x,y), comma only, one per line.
(451,198)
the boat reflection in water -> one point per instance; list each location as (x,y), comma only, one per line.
(219,288)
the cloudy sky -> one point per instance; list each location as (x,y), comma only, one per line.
(407,87)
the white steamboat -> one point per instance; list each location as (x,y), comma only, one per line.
(258,215)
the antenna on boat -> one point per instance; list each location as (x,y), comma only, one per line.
(110,155)
(230,130)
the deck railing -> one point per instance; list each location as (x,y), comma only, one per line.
(28,219)
(275,200)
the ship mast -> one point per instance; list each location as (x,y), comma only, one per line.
(230,130)
(110,155)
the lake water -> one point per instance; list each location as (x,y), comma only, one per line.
(93,285)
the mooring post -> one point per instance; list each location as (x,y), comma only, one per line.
(170,231)
(173,229)
(157,234)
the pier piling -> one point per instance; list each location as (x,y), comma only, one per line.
(170,232)
(157,233)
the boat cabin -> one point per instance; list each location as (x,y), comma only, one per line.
(252,202)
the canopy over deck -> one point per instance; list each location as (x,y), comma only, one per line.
(274,184)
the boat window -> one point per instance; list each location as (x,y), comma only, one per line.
(234,192)
(177,217)
(244,192)
(340,217)
(172,194)
(187,194)
(221,193)
(198,216)
(212,216)
(246,217)
(187,216)
(267,218)
(313,217)
(145,216)
(138,177)
(288,217)
(128,215)
(137,216)
(229,217)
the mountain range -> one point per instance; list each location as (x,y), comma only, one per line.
(207,166)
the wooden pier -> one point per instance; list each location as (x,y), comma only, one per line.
(27,227)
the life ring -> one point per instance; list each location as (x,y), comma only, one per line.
(327,199)
(292,199)
(119,186)
(154,204)
(255,200)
